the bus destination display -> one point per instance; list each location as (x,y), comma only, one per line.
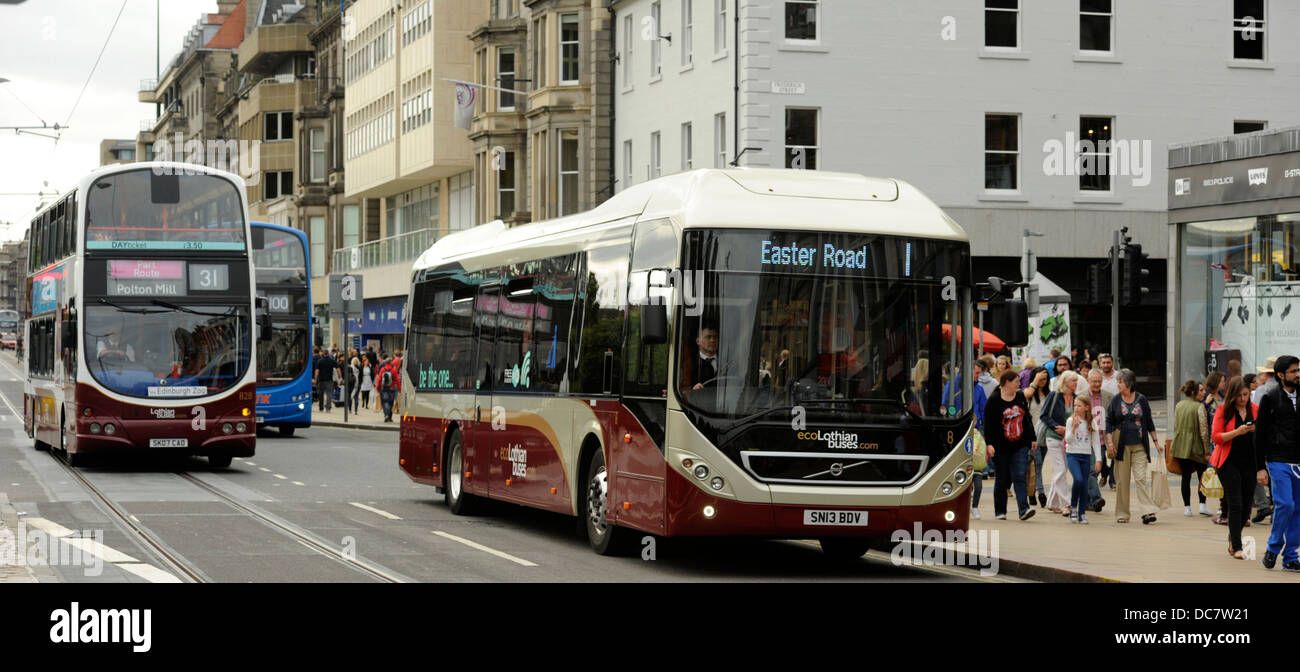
(127,277)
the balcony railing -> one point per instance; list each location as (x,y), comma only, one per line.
(391,250)
(148,84)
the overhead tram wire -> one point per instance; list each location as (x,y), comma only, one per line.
(96,65)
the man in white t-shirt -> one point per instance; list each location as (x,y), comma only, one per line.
(1109,376)
(111,343)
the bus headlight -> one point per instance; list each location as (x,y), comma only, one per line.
(716,483)
(701,472)
(946,488)
(110,429)
(960,477)
(245,412)
(241,427)
(226,428)
(302,407)
(94,428)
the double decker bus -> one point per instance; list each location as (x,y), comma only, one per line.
(280,263)
(140,297)
(719,352)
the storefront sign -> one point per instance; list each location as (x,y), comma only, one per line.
(1257,179)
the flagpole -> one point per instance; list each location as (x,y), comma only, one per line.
(485,86)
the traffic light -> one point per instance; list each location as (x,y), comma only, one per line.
(1097,284)
(1133,275)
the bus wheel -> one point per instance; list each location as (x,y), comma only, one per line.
(460,502)
(845,550)
(219,461)
(605,538)
(286,430)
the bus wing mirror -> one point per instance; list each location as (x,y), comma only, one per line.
(654,324)
(68,333)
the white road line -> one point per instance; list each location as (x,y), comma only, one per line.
(372,509)
(299,483)
(48,526)
(264,469)
(485,549)
(149,572)
(107,554)
(251,464)
(281,477)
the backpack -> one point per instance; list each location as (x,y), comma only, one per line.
(386,379)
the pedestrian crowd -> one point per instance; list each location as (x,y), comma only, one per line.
(348,379)
(1234,437)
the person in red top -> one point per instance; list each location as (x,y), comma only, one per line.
(389,384)
(1234,457)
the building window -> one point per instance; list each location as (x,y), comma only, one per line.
(505,79)
(351,225)
(1248,29)
(317,237)
(568,49)
(720,140)
(688,31)
(801,20)
(278,126)
(1095,152)
(539,52)
(277,183)
(1001,151)
(568,172)
(508,9)
(1096,21)
(655,66)
(1248,126)
(720,27)
(627,50)
(505,172)
(627,164)
(654,156)
(801,138)
(317,154)
(1002,24)
(687,155)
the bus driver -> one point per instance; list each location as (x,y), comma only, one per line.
(111,344)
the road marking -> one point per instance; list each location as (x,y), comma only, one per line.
(149,572)
(105,553)
(48,526)
(281,477)
(299,483)
(372,509)
(251,464)
(485,549)
(264,469)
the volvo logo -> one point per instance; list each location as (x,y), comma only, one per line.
(837,469)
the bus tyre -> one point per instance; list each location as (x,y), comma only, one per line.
(605,537)
(219,461)
(286,430)
(460,502)
(842,550)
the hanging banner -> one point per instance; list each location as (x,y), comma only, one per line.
(466,97)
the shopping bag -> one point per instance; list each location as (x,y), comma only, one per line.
(980,454)
(1210,485)
(1160,490)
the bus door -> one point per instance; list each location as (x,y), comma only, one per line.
(478,444)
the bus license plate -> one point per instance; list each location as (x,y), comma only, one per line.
(169,443)
(835,517)
(261,419)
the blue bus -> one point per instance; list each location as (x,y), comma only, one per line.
(280,258)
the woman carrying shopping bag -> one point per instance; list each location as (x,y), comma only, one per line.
(1056,410)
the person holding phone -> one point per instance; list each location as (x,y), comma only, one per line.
(1234,457)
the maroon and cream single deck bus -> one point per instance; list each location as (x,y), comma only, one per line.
(141,314)
(718,352)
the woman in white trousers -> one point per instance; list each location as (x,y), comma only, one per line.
(1057,408)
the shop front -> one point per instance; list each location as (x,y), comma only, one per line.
(382,324)
(1234,205)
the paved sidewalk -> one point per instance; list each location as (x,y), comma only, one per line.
(366,419)
(11,573)
(1174,548)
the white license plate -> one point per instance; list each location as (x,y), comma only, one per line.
(261,419)
(169,443)
(835,517)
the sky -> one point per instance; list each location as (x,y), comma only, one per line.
(47,48)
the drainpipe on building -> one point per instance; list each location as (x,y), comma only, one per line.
(613,95)
(735,119)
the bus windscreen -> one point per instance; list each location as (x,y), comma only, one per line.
(137,210)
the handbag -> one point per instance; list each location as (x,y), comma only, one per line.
(1160,490)
(1171,462)
(1211,486)
(980,453)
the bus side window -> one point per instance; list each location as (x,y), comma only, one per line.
(604,310)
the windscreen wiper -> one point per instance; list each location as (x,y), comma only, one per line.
(171,306)
(140,311)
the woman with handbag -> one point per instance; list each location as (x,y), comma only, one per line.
(1035,395)
(1191,444)
(1234,457)
(1131,435)
(1056,410)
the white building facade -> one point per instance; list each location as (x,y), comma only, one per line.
(982,105)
